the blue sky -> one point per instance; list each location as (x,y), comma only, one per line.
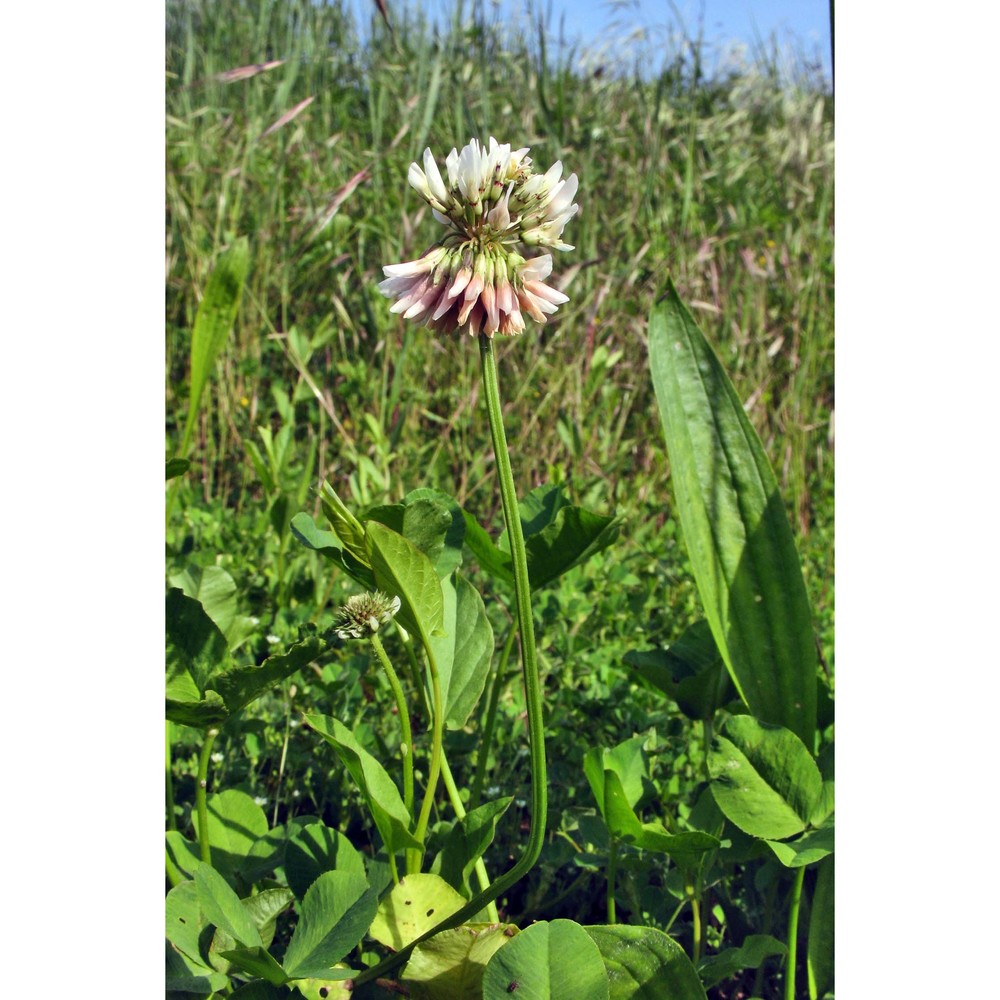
(803,25)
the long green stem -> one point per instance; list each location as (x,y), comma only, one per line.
(480,867)
(406,744)
(171,818)
(201,795)
(612,871)
(691,889)
(529,666)
(437,737)
(793,933)
(490,721)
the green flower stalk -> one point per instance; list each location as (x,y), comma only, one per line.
(476,280)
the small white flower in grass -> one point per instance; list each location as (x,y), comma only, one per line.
(474,278)
(217,758)
(362,615)
(261,800)
(273,639)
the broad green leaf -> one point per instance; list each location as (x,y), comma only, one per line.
(685,848)
(336,912)
(258,961)
(327,544)
(418,903)
(182,856)
(241,685)
(184,706)
(317,849)
(235,822)
(465,650)
(450,557)
(467,842)
(811,847)
(401,569)
(763,778)
(189,975)
(644,964)
(380,792)
(425,522)
(754,951)
(177,467)
(215,590)
(222,907)
(626,760)
(735,526)
(819,964)
(259,989)
(212,323)
(451,964)
(690,671)
(572,538)
(328,989)
(555,960)
(263,909)
(492,561)
(267,854)
(348,528)
(185,921)
(538,509)
(195,644)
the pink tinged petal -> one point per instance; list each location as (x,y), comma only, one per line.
(472,293)
(489,299)
(393,286)
(505,297)
(440,216)
(530,305)
(460,281)
(546,292)
(423,303)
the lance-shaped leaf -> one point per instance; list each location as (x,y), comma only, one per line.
(401,569)
(390,815)
(763,778)
(464,651)
(735,526)
(644,964)
(212,323)
(348,528)
(328,545)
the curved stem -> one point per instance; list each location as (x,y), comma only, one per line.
(490,721)
(529,666)
(406,743)
(480,867)
(793,933)
(200,795)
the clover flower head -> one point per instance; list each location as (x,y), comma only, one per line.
(362,615)
(475,278)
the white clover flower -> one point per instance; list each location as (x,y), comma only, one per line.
(272,639)
(261,800)
(362,615)
(474,278)
(217,758)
